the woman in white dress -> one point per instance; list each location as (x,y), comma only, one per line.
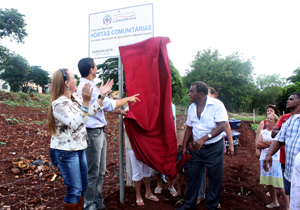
(273,177)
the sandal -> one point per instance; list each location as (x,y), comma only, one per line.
(199,200)
(272,205)
(157,191)
(152,198)
(172,191)
(176,194)
(140,202)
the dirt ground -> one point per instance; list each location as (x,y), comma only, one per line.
(241,188)
(26,140)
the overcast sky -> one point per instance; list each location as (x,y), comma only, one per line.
(265,31)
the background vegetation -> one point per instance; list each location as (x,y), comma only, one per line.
(14,68)
(231,76)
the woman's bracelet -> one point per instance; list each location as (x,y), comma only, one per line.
(87,107)
(84,109)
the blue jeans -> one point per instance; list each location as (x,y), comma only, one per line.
(96,161)
(73,168)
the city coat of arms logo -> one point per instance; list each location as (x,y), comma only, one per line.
(107,20)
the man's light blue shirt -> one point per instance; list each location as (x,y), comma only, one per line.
(290,135)
(108,105)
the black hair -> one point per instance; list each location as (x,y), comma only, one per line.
(201,87)
(84,66)
(297,94)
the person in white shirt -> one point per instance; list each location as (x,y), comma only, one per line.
(206,122)
(67,116)
(96,150)
(201,196)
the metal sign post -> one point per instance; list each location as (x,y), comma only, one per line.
(121,145)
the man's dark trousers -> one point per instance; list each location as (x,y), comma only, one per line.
(211,157)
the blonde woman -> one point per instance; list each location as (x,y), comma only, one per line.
(273,177)
(67,116)
(270,109)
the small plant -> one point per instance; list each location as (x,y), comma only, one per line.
(13,121)
(242,191)
(179,201)
(45,121)
(254,126)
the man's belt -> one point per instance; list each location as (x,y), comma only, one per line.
(101,128)
(209,145)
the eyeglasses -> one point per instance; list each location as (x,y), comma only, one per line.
(64,74)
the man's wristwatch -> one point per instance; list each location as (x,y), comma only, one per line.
(101,97)
(209,136)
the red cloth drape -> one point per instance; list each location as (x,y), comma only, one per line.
(150,124)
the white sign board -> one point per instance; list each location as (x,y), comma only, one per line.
(111,29)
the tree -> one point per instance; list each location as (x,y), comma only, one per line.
(270,86)
(110,70)
(16,70)
(230,76)
(37,76)
(4,54)
(177,84)
(12,25)
(295,78)
(78,79)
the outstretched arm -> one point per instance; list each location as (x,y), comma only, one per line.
(123,101)
(119,111)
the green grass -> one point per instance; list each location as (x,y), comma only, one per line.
(248,118)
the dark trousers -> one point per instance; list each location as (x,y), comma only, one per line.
(286,183)
(211,157)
